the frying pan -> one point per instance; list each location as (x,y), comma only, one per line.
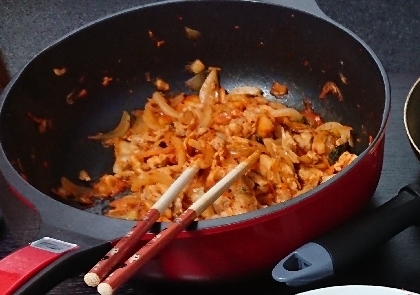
(336,251)
(263,43)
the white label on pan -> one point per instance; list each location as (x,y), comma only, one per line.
(53,245)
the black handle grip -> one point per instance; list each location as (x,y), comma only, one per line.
(362,235)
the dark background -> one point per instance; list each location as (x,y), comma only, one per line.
(390,27)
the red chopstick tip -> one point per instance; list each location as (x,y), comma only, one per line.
(105,289)
(91,279)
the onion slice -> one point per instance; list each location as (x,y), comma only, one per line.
(119,131)
(166,109)
(196,82)
(80,193)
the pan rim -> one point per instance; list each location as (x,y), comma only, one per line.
(13,177)
(409,98)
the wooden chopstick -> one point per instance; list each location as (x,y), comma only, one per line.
(148,251)
(130,242)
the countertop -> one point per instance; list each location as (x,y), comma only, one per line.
(390,28)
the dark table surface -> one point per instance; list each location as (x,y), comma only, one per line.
(395,264)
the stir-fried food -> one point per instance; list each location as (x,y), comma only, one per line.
(215,130)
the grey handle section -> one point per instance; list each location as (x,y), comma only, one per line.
(309,6)
(309,263)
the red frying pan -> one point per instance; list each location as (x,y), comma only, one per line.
(292,42)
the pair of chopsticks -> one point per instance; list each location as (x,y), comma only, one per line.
(101,274)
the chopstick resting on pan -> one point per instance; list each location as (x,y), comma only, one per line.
(148,251)
(130,242)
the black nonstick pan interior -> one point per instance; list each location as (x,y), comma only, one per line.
(304,65)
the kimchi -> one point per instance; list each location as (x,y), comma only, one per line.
(217,129)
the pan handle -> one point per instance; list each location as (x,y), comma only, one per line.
(21,265)
(309,6)
(41,265)
(334,252)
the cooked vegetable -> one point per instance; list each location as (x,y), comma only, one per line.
(119,131)
(335,154)
(192,34)
(278,89)
(216,129)
(196,66)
